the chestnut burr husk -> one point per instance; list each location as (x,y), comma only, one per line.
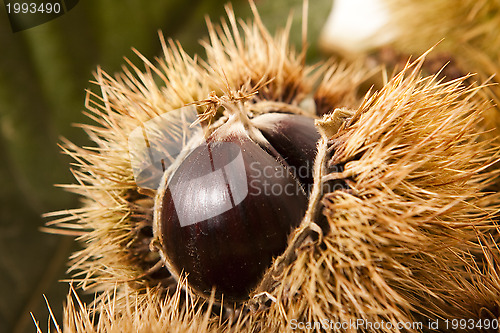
(227,210)
(407,235)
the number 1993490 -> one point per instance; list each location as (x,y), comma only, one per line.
(33,8)
(471,324)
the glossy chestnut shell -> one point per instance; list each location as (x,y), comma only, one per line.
(227,210)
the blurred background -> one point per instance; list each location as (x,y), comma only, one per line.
(44,72)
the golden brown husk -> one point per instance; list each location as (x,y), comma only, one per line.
(412,236)
(467,32)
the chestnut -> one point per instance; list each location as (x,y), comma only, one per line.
(227,209)
(295,138)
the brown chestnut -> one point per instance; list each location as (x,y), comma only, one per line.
(294,137)
(228,208)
